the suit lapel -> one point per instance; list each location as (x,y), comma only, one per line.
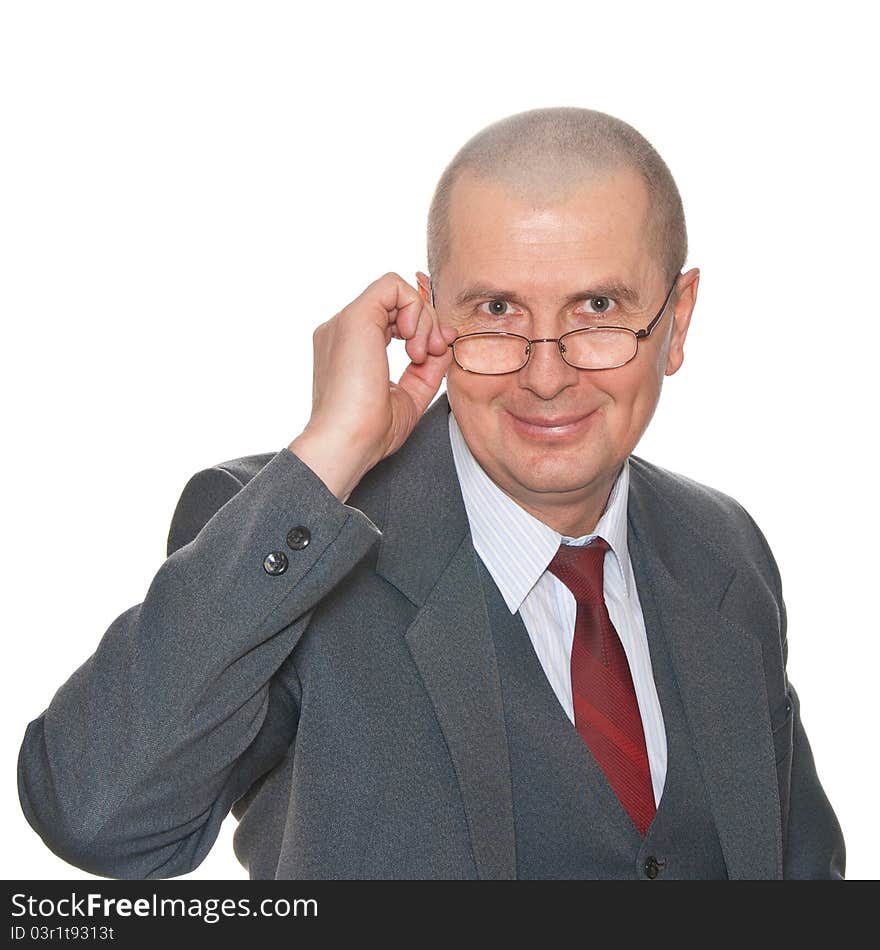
(451,645)
(720,674)
(427,554)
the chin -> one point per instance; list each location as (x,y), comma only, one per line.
(555,479)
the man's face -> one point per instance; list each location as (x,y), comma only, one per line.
(561,262)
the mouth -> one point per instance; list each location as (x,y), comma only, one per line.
(559,427)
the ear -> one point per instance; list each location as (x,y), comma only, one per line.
(424,282)
(685,300)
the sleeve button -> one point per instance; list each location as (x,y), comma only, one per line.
(275,563)
(298,538)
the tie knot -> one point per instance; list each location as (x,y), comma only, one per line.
(580,568)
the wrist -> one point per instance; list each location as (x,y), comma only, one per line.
(334,461)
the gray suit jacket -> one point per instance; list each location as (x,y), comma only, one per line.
(348,709)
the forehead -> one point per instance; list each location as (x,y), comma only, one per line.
(504,233)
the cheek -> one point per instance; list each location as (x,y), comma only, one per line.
(473,398)
(634,391)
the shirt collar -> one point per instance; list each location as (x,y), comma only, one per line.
(513,544)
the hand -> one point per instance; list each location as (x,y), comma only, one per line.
(359,416)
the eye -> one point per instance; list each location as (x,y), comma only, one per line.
(497,308)
(599,304)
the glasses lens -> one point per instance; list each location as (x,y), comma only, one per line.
(599,348)
(491,353)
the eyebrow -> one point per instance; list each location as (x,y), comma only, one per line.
(611,288)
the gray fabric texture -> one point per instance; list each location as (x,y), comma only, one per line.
(350,711)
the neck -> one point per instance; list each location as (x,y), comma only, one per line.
(571,517)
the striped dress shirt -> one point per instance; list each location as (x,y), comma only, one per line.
(517,548)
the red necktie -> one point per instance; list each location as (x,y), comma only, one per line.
(606,711)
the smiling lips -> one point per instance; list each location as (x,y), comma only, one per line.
(553,428)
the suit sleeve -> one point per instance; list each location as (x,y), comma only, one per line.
(813,844)
(187,699)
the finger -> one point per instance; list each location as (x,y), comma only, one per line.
(422,380)
(401,303)
(417,345)
(424,338)
(438,341)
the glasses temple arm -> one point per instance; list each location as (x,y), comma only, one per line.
(647,331)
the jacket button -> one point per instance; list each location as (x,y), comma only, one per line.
(652,867)
(298,538)
(275,563)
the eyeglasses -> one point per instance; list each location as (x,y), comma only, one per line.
(496,352)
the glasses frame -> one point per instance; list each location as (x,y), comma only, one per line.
(638,334)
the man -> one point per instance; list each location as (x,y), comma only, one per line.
(476,640)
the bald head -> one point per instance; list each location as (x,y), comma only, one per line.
(544,155)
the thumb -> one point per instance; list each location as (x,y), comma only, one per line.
(420,381)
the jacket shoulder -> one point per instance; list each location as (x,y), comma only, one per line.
(701,500)
(716,517)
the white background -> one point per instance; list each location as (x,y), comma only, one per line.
(189,188)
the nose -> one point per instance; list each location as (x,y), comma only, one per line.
(546,374)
